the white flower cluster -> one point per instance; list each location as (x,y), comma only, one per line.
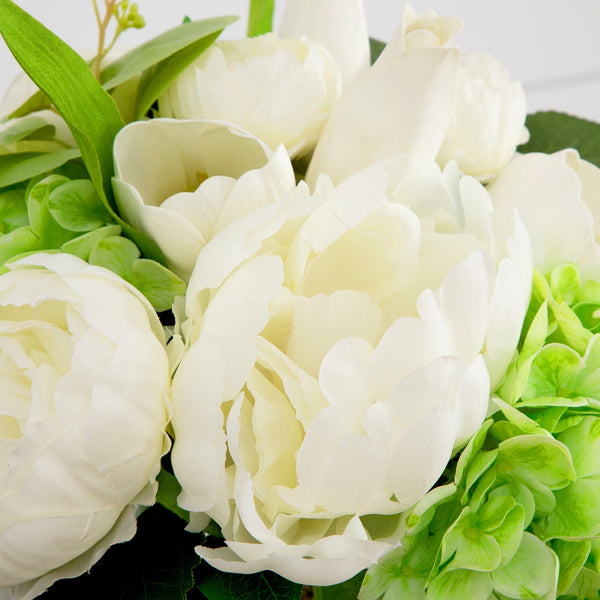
(340,336)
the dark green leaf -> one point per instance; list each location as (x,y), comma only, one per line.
(76,206)
(26,128)
(553,131)
(266,585)
(260,17)
(348,590)
(21,167)
(376,47)
(134,62)
(156,79)
(13,210)
(66,79)
(168,490)
(156,565)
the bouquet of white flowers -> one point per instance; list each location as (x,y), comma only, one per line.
(326,306)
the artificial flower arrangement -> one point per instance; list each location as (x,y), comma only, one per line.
(301,296)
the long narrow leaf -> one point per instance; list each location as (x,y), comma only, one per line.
(20,167)
(158,49)
(260,18)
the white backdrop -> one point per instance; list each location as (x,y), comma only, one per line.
(552,46)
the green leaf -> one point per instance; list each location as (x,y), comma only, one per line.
(168,490)
(586,585)
(460,585)
(518,579)
(13,210)
(572,557)
(565,283)
(66,79)
(38,101)
(376,47)
(116,254)
(156,565)
(553,131)
(522,495)
(26,128)
(470,451)
(21,167)
(348,590)
(260,17)
(535,458)
(136,61)
(157,283)
(422,513)
(576,514)
(18,242)
(157,78)
(216,585)
(83,245)
(76,206)
(583,441)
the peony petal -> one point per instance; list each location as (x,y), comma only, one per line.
(348,44)
(399,106)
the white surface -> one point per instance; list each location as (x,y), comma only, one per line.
(552,46)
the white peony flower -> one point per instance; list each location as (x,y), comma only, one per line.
(281,90)
(427,101)
(557,198)
(84,379)
(181,182)
(337,352)
(488,121)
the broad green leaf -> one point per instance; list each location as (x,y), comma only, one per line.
(116,254)
(348,590)
(569,328)
(535,458)
(518,579)
(83,245)
(376,47)
(481,462)
(76,206)
(13,210)
(168,490)
(551,372)
(586,585)
(156,565)
(583,441)
(586,382)
(572,557)
(553,131)
(26,128)
(509,533)
(517,422)
(468,546)
(87,109)
(493,512)
(136,61)
(260,17)
(18,242)
(460,585)
(576,514)
(216,585)
(156,79)
(21,167)
(157,283)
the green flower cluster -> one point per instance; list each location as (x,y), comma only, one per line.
(519,511)
(56,208)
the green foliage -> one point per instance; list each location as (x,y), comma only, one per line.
(348,590)
(522,518)
(553,131)
(15,168)
(376,47)
(260,17)
(168,490)
(216,585)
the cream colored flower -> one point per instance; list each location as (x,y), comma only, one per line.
(181,182)
(281,90)
(337,346)
(84,380)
